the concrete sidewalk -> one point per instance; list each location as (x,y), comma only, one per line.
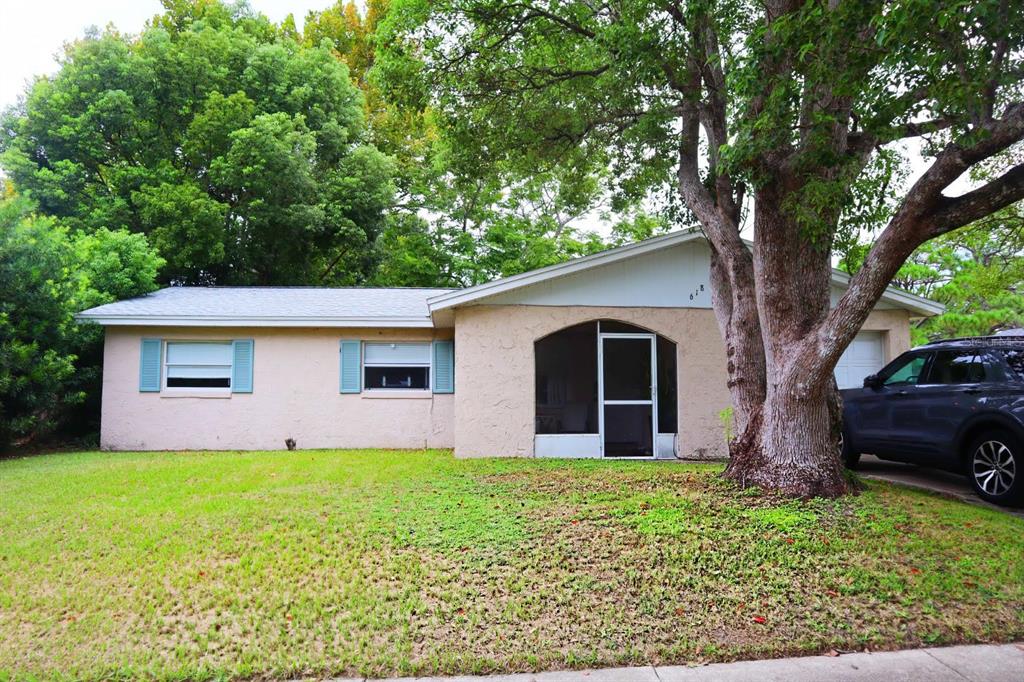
(979,663)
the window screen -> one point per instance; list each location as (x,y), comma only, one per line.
(566,381)
(198,364)
(389,366)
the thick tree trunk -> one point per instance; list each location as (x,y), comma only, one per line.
(791,445)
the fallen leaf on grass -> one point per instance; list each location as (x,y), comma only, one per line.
(761,620)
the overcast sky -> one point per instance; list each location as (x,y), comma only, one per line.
(32,32)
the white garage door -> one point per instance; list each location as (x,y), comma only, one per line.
(864,356)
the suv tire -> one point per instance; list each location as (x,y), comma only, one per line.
(850,458)
(995,465)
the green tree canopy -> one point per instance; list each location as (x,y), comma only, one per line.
(457,220)
(238,151)
(49,365)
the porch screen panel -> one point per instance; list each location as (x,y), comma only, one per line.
(566,381)
(668,412)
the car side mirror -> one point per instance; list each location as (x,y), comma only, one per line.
(872,381)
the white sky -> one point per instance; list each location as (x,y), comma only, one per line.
(32,32)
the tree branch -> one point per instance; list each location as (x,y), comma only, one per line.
(924,213)
(959,211)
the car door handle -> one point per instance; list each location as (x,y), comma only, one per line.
(902,393)
(972,391)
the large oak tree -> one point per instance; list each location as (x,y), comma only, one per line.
(240,154)
(790,108)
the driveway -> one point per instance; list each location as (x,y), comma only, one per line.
(941,482)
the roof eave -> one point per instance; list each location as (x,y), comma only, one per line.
(223,321)
(923,307)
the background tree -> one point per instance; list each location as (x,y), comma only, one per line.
(49,365)
(786,106)
(238,151)
(459,219)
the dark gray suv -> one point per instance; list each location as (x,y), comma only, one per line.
(956,405)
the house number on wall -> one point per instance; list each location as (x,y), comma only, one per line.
(697,292)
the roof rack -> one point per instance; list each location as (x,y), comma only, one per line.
(994,340)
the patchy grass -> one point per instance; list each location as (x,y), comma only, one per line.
(316,563)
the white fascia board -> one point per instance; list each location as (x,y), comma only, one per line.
(920,305)
(500,286)
(185,321)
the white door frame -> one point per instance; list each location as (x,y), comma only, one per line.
(653,401)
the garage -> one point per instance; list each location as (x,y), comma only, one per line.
(866,355)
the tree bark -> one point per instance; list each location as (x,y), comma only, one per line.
(735,307)
(791,446)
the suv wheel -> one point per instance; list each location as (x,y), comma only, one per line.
(850,458)
(995,465)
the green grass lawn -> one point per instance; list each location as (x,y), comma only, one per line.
(198,565)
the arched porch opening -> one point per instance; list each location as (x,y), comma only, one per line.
(605,388)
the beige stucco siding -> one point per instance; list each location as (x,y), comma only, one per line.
(494,371)
(295,386)
(895,328)
(295,395)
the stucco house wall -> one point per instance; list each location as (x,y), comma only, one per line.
(660,284)
(295,395)
(494,370)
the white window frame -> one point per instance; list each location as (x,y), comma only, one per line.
(429,364)
(216,390)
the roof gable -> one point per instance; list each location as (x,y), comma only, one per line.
(670,270)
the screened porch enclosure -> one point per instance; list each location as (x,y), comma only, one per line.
(605,389)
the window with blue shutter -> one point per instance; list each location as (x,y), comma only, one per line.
(444,367)
(241,366)
(200,365)
(351,366)
(396,365)
(149,365)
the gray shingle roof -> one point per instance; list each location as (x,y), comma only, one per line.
(277,306)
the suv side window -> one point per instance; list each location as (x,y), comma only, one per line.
(1015,359)
(958,367)
(905,371)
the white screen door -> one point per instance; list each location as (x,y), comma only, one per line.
(628,391)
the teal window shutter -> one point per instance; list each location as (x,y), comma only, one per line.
(444,366)
(351,366)
(149,365)
(241,365)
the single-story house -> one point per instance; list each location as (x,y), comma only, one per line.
(616,355)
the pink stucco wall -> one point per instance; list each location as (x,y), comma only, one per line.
(491,413)
(494,370)
(295,395)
